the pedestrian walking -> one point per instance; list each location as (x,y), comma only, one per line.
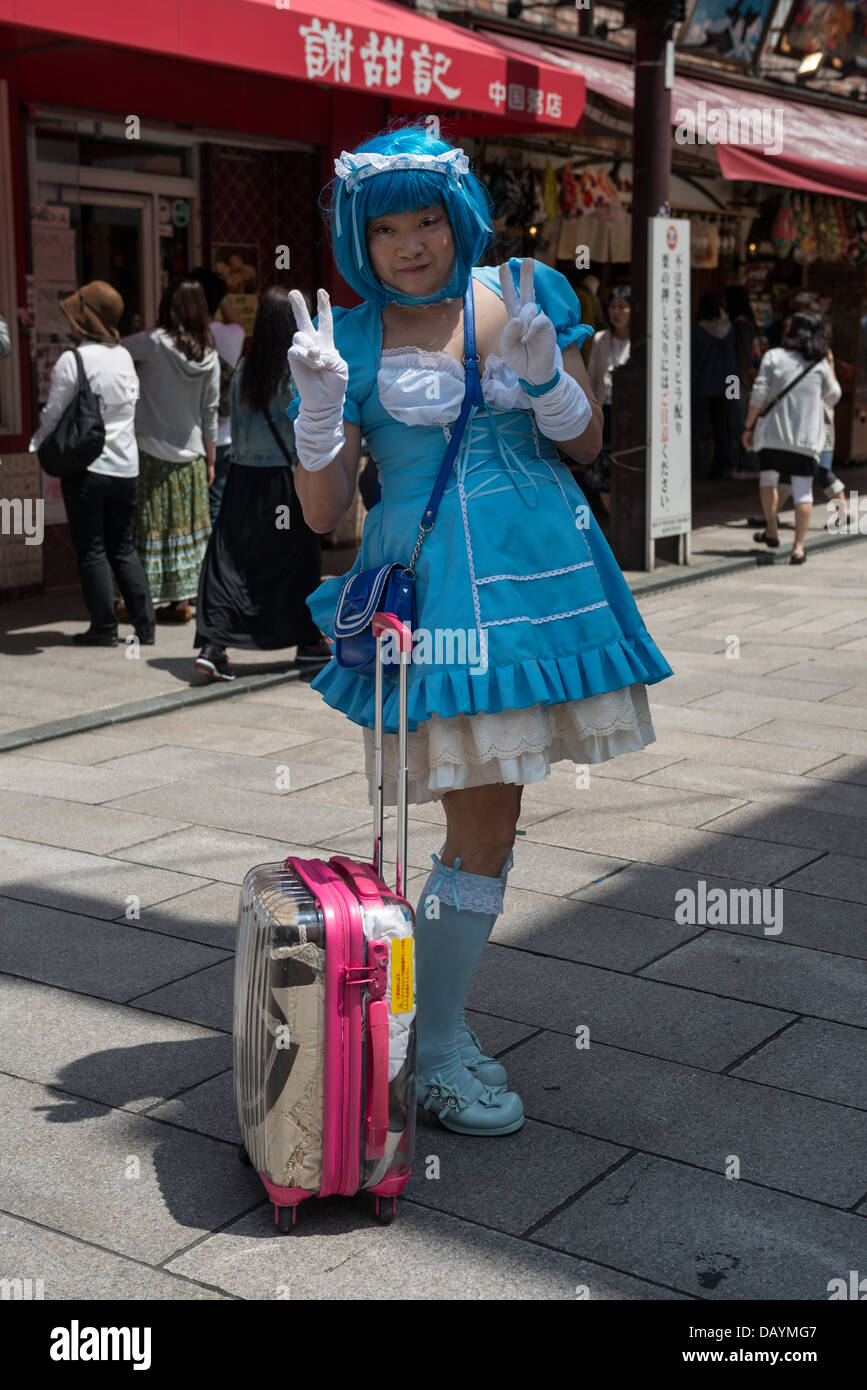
(5,338)
(101,501)
(229,341)
(176,425)
(746,331)
(610,350)
(262,558)
(714,368)
(786,423)
(513,562)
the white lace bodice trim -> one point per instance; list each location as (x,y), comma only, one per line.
(515,746)
(421,387)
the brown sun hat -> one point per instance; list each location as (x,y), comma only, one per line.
(95,311)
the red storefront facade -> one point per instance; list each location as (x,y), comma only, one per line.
(182,143)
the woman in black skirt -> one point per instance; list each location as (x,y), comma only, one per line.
(262,559)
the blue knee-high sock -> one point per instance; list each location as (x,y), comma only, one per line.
(454,920)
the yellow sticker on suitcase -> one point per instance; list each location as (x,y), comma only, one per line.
(401,975)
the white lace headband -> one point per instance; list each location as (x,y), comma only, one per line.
(353,168)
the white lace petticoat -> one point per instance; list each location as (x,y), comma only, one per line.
(514,745)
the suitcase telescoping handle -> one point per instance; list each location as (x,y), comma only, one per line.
(383,624)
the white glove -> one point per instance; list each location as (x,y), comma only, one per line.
(529,347)
(529,341)
(321,376)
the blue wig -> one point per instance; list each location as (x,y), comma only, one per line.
(464,198)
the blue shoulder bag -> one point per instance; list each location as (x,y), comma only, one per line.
(391,587)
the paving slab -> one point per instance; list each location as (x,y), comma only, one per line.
(204,997)
(97,885)
(208,915)
(212,854)
(127,1183)
(97,747)
(842,768)
(695,1116)
(46,820)
(195,730)
(834,876)
(711,1237)
(809,920)
(72,1271)
(102,1051)
(68,781)
(699,851)
(815,1058)
(256,813)
(622,1010)
(789,825)
(111,960)
(509,1186)
(823,733)
(576,930)
(207,1108)
(754,784)
(339,1252)
(769,972)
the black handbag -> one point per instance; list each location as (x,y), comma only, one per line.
(79,435)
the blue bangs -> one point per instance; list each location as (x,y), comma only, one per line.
(467,206)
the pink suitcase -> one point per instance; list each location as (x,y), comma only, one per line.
(324,1012)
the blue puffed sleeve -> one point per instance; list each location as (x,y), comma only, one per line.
(554,295)
(354,331)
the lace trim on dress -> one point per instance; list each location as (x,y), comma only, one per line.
(515,746)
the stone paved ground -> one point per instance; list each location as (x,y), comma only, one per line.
(712,1048)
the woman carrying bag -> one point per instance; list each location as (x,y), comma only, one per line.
(262,559)
(786,424)
(101,499)
(460,377)
(176,425)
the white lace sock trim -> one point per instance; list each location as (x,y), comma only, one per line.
(514,746)
(466,892)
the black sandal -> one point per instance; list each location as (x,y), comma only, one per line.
(798,559)
(763,537)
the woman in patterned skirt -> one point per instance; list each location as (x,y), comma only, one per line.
(176,426)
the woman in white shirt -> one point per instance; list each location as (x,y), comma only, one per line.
(789,436)
(610,350)
(101,501)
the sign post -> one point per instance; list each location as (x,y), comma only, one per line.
(669,467)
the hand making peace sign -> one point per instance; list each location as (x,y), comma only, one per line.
(529,341)
(320,373)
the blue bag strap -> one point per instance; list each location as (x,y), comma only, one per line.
(472,397)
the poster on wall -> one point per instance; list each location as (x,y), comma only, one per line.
(239,267)
(725,31)
(669,466)
(837,28)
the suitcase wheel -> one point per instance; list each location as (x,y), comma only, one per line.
(385,1215)
(243,1156)
(284,1219)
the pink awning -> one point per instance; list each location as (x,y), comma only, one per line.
(757,135)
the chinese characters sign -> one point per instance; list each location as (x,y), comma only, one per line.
(354,55)
(669,495)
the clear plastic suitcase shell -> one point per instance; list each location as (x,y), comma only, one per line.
(279,1034)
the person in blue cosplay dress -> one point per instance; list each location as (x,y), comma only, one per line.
(529,647)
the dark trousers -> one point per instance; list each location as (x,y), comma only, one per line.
(101,510)
(714,414)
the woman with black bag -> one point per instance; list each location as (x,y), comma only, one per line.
(793,383)
(100,499)
(262,558)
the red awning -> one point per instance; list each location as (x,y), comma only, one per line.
(757,135)
(365,45)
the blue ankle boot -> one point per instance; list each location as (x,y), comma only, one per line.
(448,949)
